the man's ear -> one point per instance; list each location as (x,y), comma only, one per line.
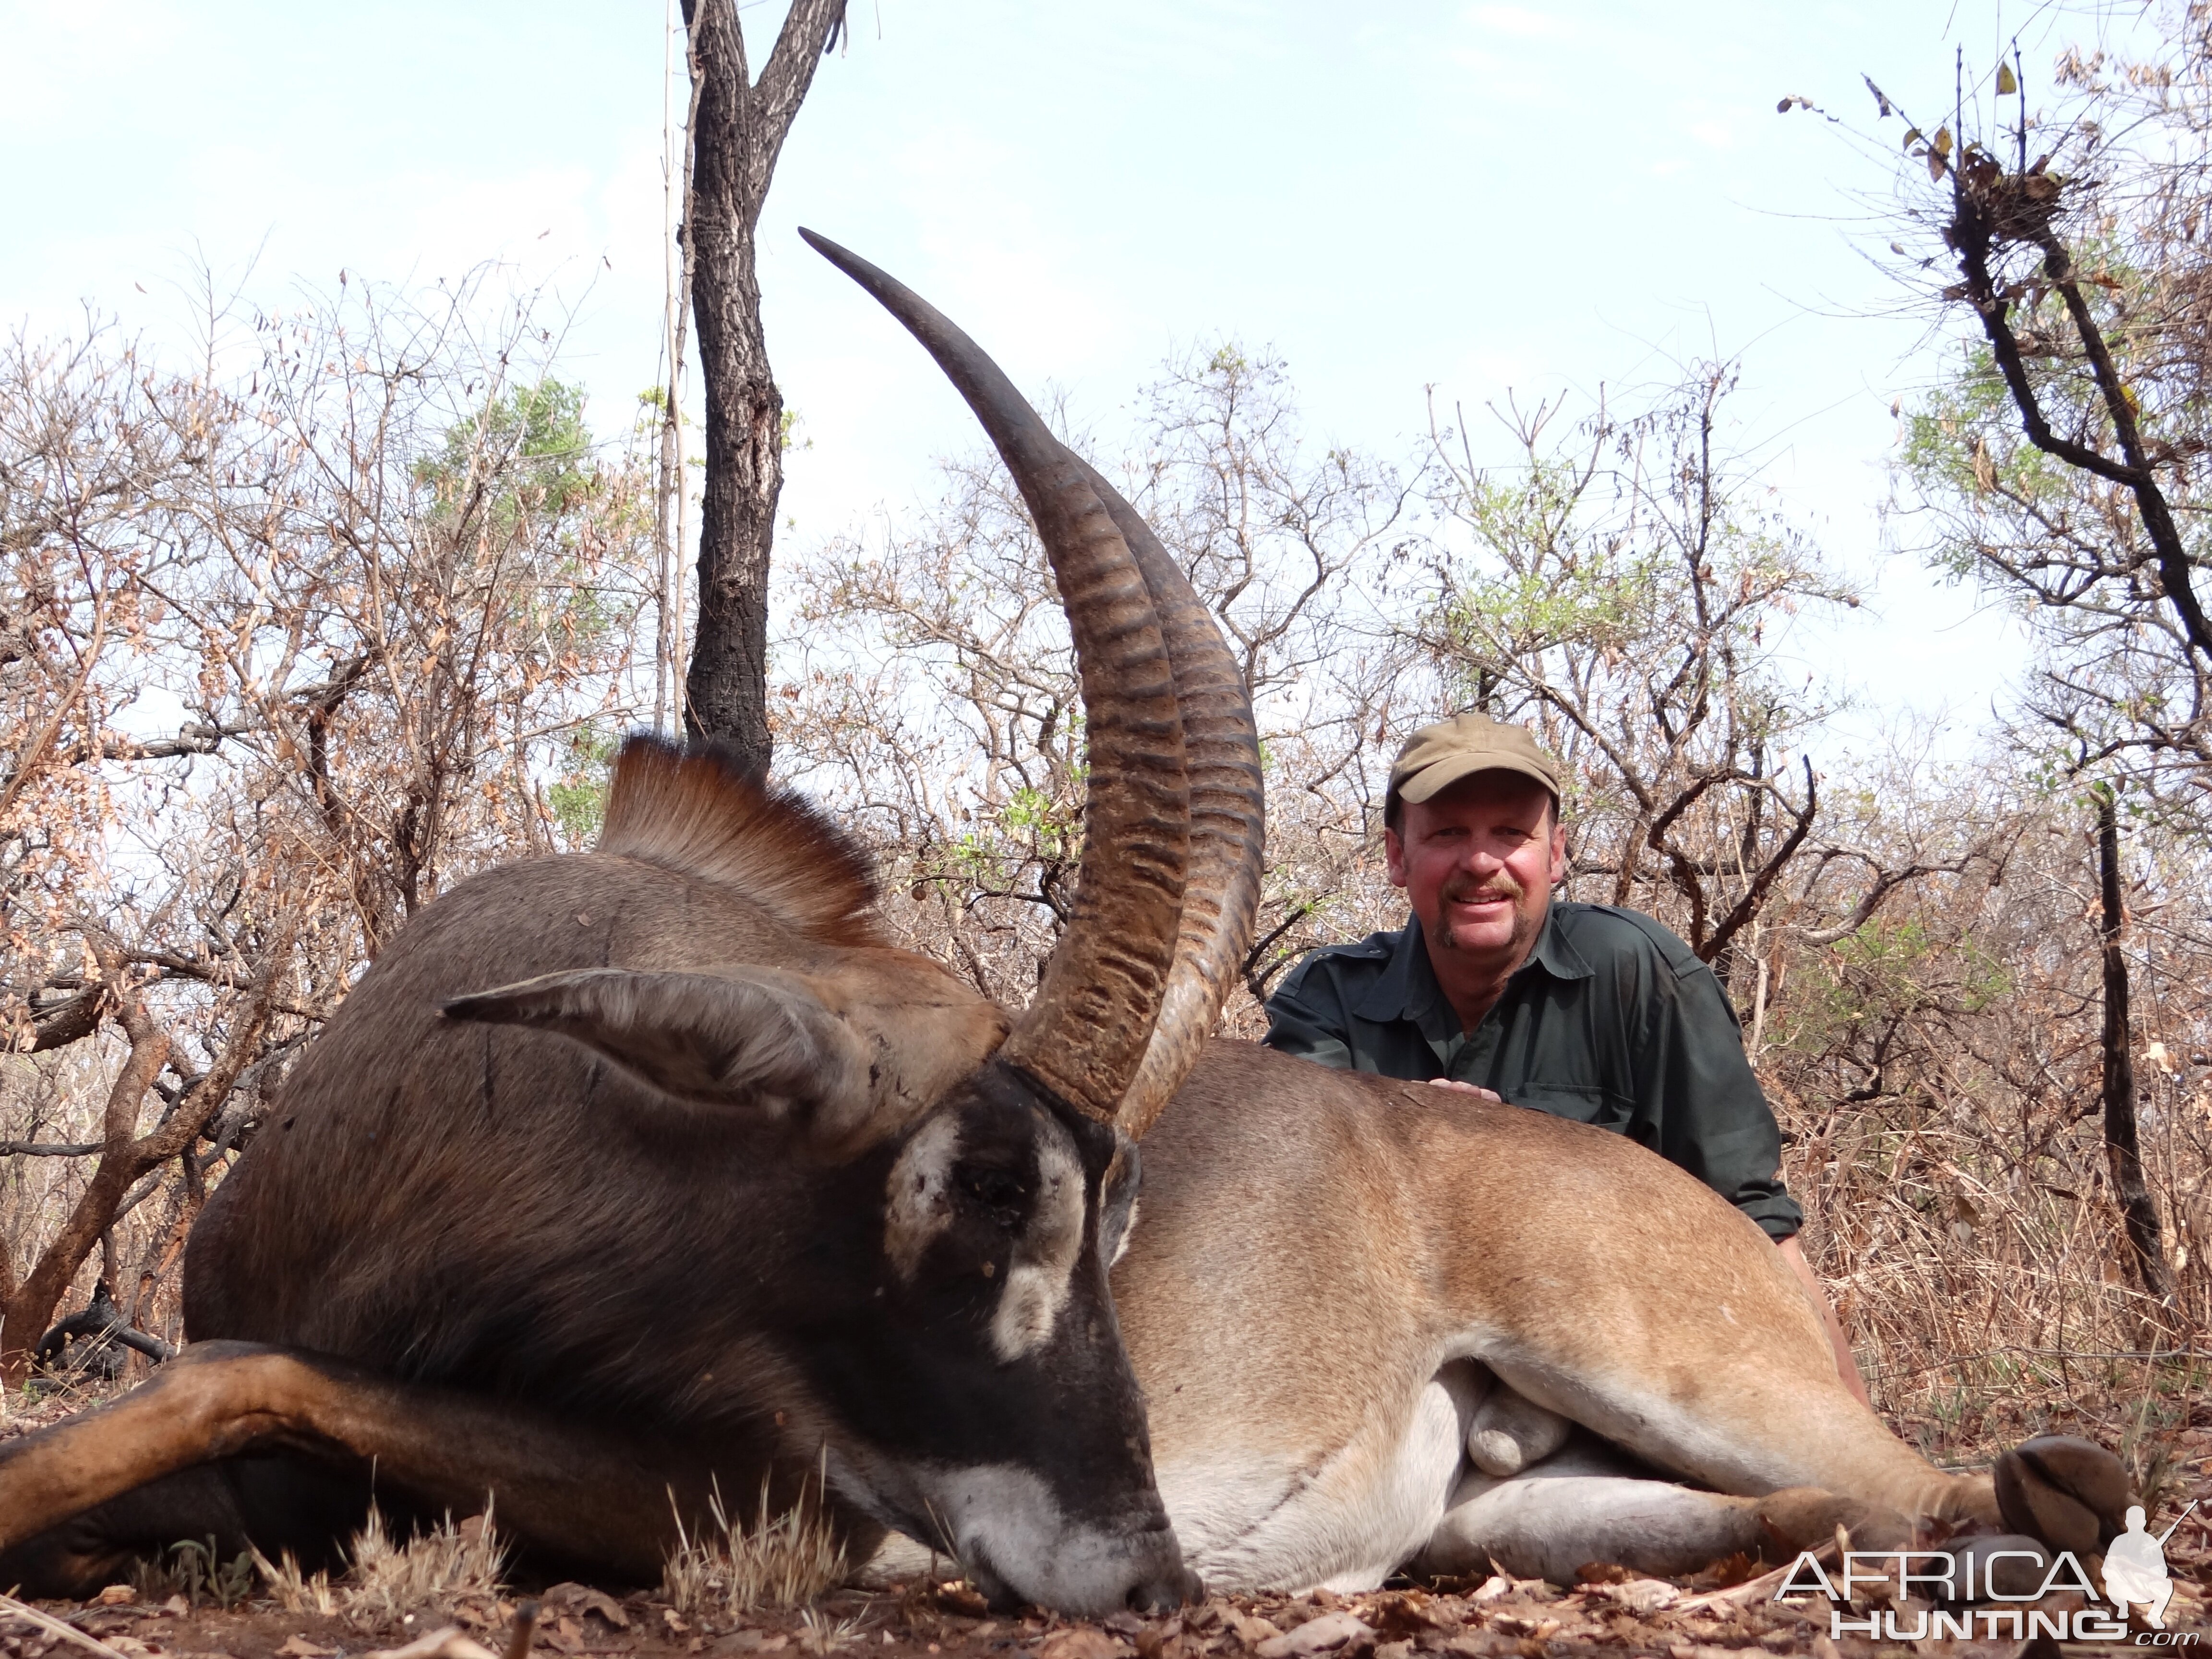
(751,1037)
(1393,856)
(1559,849)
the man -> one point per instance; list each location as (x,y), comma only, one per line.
(1582,1010)
(2135,1568)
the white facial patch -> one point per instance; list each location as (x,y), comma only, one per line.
(1044,1256)
(1002,1519)
(918,1200)
(1003,1524)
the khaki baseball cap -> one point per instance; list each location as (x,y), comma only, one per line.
(1437,757)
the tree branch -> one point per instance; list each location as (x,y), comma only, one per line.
(1754,897)
(28,1308)
(48,1149)
(809,29)
(1993,206)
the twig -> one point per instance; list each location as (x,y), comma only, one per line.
(525,1623)
(1752,1589)
(10,1608)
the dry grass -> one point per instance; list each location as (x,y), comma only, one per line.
(294,1591)
(1939,1078)
(439,1572)
(733,1570)
(820,1632)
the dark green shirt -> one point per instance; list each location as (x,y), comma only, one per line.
(1613,1020)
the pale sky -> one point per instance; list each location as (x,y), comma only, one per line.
(1482,198)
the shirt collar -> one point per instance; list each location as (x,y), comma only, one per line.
(1408,990)
(1553,954)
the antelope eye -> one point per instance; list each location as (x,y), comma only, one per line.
(1001,1193)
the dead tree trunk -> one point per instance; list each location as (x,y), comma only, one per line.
(2121,1146)
(740,129)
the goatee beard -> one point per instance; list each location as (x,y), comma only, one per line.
(1500,885)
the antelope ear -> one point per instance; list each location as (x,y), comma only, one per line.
(756,1037)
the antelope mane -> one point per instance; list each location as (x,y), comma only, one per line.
(697,811)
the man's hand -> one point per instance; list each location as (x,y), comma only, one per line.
(1846,1367)
(1465,1089)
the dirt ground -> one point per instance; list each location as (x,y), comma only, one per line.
(1728,1610)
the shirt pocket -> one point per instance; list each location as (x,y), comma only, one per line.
(1585,1102)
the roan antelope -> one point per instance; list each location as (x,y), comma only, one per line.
(627,1175)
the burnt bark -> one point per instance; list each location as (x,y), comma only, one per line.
(740,129)
(2122,1146)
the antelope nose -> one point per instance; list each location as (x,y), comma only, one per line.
(1175,1587)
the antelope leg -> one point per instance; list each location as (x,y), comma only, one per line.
(1549,1526)
(565,1490)
(277,1504)
(1593,1502)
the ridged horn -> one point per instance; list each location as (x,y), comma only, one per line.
(1086,1033)
(1228,822)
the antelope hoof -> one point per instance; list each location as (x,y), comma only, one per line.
(2072,1494)
(1806,1518)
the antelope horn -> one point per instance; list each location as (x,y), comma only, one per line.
(1086,1033)
(1228,822)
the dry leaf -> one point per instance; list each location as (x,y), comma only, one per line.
(570,1597)
(1082,1642)
(445,1643)
(963,1598)
(1638,1595)
(1251,1629)
(1407,1613)
(1341,1629)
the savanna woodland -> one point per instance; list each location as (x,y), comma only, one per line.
(297,633)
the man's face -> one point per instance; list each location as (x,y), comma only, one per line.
(1478,861)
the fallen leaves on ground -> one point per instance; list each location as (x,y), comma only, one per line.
(1725,1613)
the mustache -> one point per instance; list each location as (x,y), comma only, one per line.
(1501,885)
